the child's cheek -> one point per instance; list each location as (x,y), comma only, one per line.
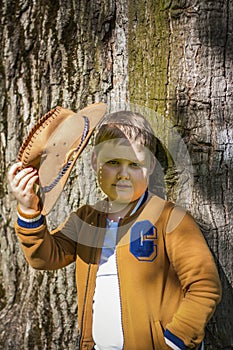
(145,173)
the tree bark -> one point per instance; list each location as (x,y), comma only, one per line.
(68,53)
(180,65)
(171,59)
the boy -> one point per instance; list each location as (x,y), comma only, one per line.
(145,276)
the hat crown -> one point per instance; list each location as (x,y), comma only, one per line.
(54,144)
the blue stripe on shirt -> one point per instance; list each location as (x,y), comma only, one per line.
(178,343)
(175,340)
(27,224)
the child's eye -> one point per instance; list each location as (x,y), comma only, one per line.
(135,165)
(113,162)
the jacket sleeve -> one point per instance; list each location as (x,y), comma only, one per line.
(195,267)
(45,250)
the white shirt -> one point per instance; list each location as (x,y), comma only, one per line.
(107,326)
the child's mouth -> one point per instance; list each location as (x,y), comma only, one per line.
(122,185)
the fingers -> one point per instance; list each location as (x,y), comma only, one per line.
(22,185)
(25,180)
(13,170)
(21,178)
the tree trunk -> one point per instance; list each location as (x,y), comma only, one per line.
(174,58)
(180,65)
(53,53)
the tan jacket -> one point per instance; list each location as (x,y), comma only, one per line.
(167,280)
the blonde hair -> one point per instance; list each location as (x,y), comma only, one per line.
(127,125)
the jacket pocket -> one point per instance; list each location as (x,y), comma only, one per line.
(158,337)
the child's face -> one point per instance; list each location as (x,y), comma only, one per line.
(123,171)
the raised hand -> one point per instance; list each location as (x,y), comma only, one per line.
(22,183)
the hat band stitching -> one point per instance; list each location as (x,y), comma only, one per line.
(35,131)
(48,188)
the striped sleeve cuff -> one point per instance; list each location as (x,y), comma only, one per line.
(29,220)
(176,343)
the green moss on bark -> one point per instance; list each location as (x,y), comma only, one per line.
(148,48)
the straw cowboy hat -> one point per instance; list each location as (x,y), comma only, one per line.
(54,144)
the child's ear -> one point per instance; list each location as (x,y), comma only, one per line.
(94,161)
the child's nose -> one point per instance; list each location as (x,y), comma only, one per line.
(123,173)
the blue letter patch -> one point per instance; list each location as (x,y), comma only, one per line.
(142,241)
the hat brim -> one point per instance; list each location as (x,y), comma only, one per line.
(54,145)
